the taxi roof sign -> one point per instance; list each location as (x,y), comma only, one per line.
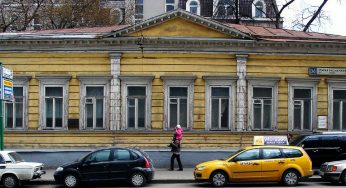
(270,140)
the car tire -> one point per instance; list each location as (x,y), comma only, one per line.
(137,179)
(343,178)
(10,181)
(290,178)
(218,179)
(71,180)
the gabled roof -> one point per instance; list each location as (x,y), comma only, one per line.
(179,13)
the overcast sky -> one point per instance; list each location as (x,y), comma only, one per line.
(334,9)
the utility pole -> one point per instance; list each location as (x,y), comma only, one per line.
(1,114)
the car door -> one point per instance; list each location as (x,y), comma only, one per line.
(96,166)
(312,145)
(330,148)
(246,166)
(2,165)
(272,163)
(123,161)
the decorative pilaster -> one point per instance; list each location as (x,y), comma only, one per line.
(241,93)
(115,97)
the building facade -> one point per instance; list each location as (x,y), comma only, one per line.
(130,85)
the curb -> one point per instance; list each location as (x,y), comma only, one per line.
(52,182)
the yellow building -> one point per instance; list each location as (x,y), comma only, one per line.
(130,85)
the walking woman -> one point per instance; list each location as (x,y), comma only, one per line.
(175,149)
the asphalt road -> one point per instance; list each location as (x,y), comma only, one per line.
(197,185)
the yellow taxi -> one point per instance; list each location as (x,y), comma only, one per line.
(286,164)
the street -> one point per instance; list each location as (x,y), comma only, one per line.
(196,185)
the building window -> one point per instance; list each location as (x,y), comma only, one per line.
(169,5)
(136,112)
(193,6)
(53,101)
(138,10)
(258,9)
(302,103)
(136,101)
(178,107)
(339,110)
(178,101)
(262,93)
(14,110)
(223,9)
(53,105)
(219,97)
(94,107)
(262,108)
(94,97)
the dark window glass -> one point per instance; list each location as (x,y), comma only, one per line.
(302,93)
(54,91)
(311,142)
(178,91)
(271,153)
(329,141)
(339,94)
(259,92)
(220,92)
(248,155)
(99,156)
(122,155)
(136,91)
(292,153)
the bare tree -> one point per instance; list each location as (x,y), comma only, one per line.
(18,14)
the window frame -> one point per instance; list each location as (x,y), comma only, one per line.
(137,20)
(302,83)
(220,81)
(188,7)
(262,82)
(178,81)
(216,7)
(333,84)
(53,81)
(94,81)
(21,81)
(136,81)
(254,8)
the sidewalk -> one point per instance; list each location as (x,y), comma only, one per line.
(161,176)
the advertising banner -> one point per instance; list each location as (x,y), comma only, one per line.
(270,140)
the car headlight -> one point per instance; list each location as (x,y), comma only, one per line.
(59,169)
(201,168)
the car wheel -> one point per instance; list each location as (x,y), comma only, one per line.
(137,179)
(10,181)
(71,180)
(218,179)
(343,178)
(290,178)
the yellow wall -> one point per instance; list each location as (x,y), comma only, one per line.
(55,63)
(179,27)
(175,64)
(293,66)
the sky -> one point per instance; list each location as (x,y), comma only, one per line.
(334,9)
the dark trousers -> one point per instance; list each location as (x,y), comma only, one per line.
(177,156)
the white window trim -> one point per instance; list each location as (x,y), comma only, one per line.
(169,4)
(333,84)
(268,82)
(254,9)
(138,80)
(179,81)
(198,6)
(56,81)
(94,81)
(302,83)
(220,81)
(21,81)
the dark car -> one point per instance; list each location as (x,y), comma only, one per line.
(107,164)
(322,147)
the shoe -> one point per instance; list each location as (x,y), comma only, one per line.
(170,169)
(180,169)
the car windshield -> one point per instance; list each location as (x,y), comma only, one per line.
(296,140)
(229,156)
(15,157)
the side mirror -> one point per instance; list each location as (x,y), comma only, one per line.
(302,146)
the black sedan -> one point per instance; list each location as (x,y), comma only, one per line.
(107,164)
